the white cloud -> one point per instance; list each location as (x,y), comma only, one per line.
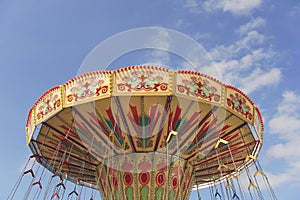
(160,39)
(249,42)
(259,79)
(252,38)
(248,82)
(193,6)
(252,25)
(237,7)
(247,63)
(287,113)
(281,179)
(240,6)
(291,125)
(287,150)
(256,56)
(199,36)
(290,104)
(191,3)
(179,24)
(285,124)
(222,52)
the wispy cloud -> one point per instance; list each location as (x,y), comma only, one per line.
(236,7)
(252,25)
(247,63)
(259,79)
(159,56)
(285,124)
(199,36)
(193,6)
(172,48)
(179,24)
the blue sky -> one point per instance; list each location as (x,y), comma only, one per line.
(255,45)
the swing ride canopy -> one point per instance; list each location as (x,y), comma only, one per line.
(145,132)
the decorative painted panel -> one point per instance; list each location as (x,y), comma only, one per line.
(48,104)
(146,176)
(87,87)
(145,80)
(141,118)
(258,123)
(239,103)
(30,126)
(197,85)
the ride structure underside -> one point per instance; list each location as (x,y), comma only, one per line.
(146,132)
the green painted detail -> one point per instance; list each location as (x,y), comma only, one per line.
(117,194)
(245,109)
(182,123)
(117,131)
(142,81)
(194,144)
(177,124)
(144,193)
(144,142)
(82,133)
(235,102)
(117,135)
(158,193)
(206,91)
(194,88)
(129,193)
(171,194)
(144,121)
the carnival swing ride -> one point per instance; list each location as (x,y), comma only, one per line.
(144,132)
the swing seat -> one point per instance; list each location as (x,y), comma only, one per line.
(55,195)
(38,183)
(61,184)
(30,170)
(235,196)
(36,156)
(218,195)
(73,192)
